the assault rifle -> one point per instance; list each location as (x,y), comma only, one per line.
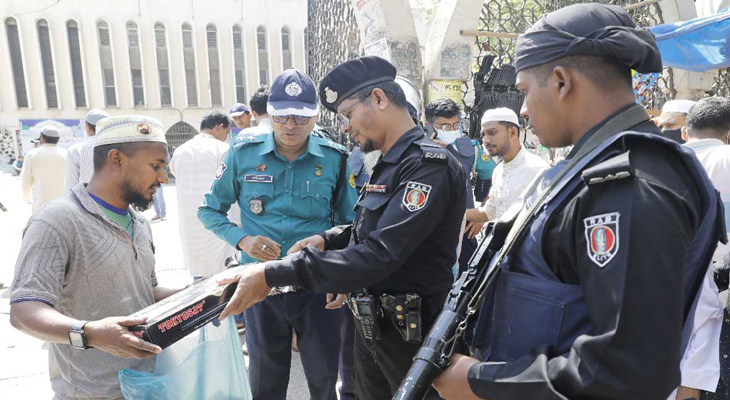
(462,302)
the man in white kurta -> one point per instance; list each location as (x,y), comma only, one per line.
(707,132)
(80,158)
(194,165)
(42,176)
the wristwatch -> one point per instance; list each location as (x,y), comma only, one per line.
(77,336)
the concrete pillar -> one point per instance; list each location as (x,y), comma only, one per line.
(387,30)
(449,54)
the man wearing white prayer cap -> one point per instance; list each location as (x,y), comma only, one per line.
(88,259)
(42,174)
(501,137)
(674,118)
(80,160)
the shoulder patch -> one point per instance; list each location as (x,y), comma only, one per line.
(416,196)
(618,167)
(602,240)
(221,169)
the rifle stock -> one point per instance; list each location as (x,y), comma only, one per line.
(433,356)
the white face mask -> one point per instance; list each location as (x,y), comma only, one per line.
(448,137)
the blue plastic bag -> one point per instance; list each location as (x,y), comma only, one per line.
(207,364)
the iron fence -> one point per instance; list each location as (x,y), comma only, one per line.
(333,37)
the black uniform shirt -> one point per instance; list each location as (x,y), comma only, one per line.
(403,240)
(636,304)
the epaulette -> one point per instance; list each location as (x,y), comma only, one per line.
(248,139)
(333,145)
(322,133)
(614,168)
(433,153)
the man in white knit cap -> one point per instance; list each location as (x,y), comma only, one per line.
(501,137)
(42,173)
(88,259)
(674,118)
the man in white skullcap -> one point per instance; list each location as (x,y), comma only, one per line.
(501,137)
(42,174)
(88,259)
(80,160)
(674,118)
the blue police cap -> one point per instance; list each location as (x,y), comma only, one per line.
(293,93)
(238,109)
(351,76)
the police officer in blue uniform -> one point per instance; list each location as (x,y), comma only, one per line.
(443,123)
(396,258)
(612,244)
(289,185)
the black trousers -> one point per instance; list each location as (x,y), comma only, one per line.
(380,370)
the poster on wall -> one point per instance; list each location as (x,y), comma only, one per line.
(445,89)
(71,130)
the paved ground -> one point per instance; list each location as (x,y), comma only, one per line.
(23,359)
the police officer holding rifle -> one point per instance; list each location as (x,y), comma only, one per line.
(600,272)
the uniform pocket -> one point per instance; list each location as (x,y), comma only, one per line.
(534,319)
(314,199)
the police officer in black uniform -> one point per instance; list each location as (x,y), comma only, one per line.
(592,298)
(396,258)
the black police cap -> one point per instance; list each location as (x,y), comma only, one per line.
(351,76)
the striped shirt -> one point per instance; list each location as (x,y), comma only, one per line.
(79,163)
(78,261)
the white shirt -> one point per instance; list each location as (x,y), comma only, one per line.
(79,163)
(510,179)
(43,175)
(714,155)
(194,165)
(263,127)
(700,365)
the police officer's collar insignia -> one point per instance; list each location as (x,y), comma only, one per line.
(416,196)
(318,170)
(351,180)
(221,169)
(293,89)
(602,239)
(261,168)
(485,157)
(330,94)
(256,206)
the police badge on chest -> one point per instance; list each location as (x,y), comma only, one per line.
(256,206)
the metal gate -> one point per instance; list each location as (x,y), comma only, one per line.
(516,16)
(333,37)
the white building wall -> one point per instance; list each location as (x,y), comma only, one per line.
(224,14)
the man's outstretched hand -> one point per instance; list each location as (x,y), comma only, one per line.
(314,241)
(251,289)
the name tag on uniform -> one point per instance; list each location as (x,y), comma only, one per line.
(258,178)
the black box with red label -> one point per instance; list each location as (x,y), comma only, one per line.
(181,314)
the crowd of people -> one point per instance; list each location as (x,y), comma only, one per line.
(609,277)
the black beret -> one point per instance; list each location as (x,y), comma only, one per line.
(351,76)
(588,29)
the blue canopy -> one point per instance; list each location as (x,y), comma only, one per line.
(700,44)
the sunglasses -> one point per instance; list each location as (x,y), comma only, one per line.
(282,119)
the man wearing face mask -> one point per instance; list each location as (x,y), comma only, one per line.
(674,118)
(444,127)
(500,130)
